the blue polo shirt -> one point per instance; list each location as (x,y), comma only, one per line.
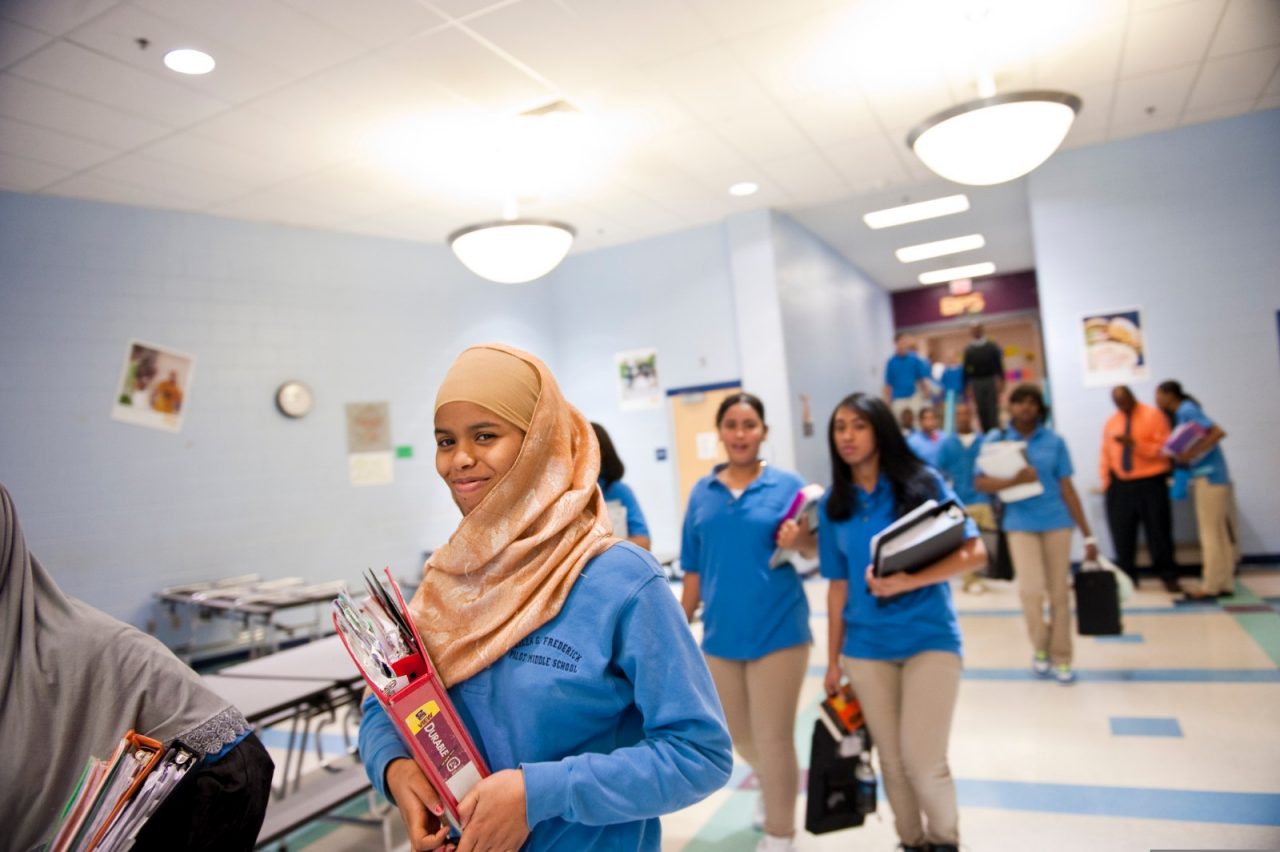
(957,463)
(902,372)
(1052,461)
(900,627)
(749,609)
(1212,464)
(953,378)
(925,447)
(608,708)
(619,491)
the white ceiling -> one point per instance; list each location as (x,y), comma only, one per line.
(812,99)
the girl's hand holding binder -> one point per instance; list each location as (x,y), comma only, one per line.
(493,814)
(419,805)
(894,584)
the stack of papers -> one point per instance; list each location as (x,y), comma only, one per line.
(919,538)
(804,507)
(115,797)
(1003,460)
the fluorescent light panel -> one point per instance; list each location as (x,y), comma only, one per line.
(919,211)
(973,270)
(938,248)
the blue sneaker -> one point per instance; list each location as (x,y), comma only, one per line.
(1040,664)
(1064,675)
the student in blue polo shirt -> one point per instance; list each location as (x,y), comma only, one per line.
(565,653)
(906,374)
(756,619)
(896,638)
(617,494)
(957,461)
(1039,530)
(1206,465)
(926,442)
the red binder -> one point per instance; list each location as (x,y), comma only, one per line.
(427,721)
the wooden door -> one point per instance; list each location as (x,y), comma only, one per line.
(697,443)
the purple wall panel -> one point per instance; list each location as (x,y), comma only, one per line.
(1000,294)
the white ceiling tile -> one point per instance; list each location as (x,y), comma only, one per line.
(1268,102)
(830,119)
(1095,108)
(789,60)
(554,42)
(710,83)
(1216,112)
(50,146)
(277,208)
(732,18)
(1169,36)
(1247,25)
(1153,99)
(702,154)
(806,178)
(643,105)
(18,174)
(1081,138)
(867,163)
(100,189)
(17,41)
(452,59)
(456,9)
(236,77)
(290,40)
(1150,124)
(1240,77)
(248,168)
(1273,86)
(355,192)
(54,16)
(900,112)
(764,133)
(192,183)
(36,104)
(1087,61)
(372,26)
(647,32)
(74,69)
(258,135)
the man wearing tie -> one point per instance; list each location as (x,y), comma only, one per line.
(1134,471)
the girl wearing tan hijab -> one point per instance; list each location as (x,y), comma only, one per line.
(563,648)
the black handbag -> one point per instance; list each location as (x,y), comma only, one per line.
(999,561)
(833,801)
(1097,604)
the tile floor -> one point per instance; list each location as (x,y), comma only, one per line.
(1169,740)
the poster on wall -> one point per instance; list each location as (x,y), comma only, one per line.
(637,372)
(1115,351)
(154,386)
(369,455)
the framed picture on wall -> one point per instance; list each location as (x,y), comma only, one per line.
(155,386)
(1115,348)
(637,376)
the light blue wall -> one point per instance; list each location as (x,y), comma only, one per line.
(117,511)
(1186,225)
(672,293)
(838,328)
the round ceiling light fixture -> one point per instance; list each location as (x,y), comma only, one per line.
(188,60)
(994,139)
(512,251)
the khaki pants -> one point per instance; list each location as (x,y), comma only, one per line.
(1042,563)
(908,705)
(759,699)
(1217,547)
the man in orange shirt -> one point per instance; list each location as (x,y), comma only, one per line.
(1135,474)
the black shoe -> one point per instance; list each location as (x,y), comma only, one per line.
(944,847)
(1171,586)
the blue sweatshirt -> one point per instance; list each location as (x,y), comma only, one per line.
(619,492)
(608,708)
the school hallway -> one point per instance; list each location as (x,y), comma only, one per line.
(1168,739)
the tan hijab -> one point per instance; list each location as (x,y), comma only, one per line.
(510,565)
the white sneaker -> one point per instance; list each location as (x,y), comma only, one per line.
(769,843)
(757,816)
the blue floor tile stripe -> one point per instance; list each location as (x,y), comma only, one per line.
(1121,675)
(1136,802)
(1145,726)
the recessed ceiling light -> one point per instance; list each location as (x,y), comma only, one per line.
(187,60)
(931,209)
(745,188)
(924,251)
(973,270)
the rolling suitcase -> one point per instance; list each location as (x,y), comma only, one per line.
(1097,603)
